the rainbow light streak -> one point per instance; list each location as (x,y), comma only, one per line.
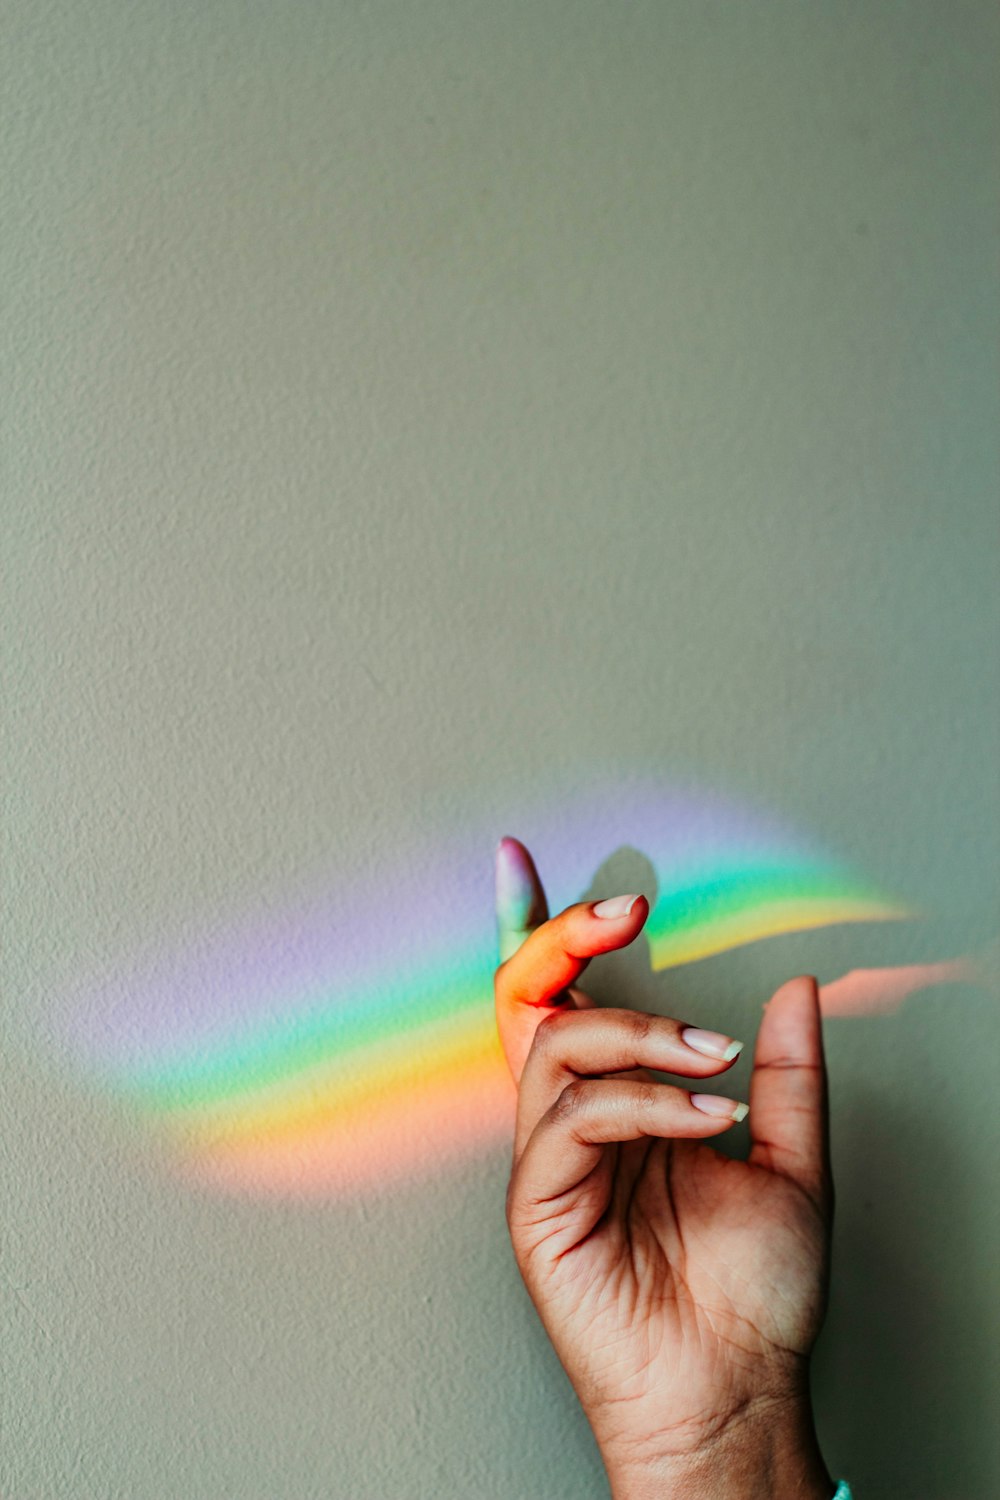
(740,906)
(353,1041)
(879,991)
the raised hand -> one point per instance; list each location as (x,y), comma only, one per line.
(682,1290)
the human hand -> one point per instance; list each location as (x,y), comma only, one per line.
(682,1290)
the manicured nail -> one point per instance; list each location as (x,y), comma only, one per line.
(711,1043)
(714,1104)
(615,906)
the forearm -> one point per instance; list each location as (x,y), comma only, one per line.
(763,1453)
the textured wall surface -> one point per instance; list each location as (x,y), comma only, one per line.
(423,422)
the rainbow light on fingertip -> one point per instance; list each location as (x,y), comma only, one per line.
(352,1042)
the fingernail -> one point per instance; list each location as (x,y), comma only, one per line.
(615,906)
(714,1104)
(711,1043)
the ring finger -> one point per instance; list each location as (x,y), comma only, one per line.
(574,1044)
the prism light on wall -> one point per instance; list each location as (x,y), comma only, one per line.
(351,1042)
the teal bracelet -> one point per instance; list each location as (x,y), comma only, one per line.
(843,1491)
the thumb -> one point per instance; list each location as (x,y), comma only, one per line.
(789,1122)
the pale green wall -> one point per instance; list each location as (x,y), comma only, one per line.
(407,404)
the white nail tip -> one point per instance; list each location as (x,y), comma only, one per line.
(615,906)
(740,1112)
(711,1044)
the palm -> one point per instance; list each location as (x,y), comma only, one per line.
(700,1265)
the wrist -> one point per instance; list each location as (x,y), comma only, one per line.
(767,1448)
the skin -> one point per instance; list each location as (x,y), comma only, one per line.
(683,1291)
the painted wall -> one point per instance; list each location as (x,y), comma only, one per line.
(430,422)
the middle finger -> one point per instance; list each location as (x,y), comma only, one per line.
(572,1044)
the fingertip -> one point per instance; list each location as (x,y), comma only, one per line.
(617,908)
(511,862)
(519,895)
(718,1108)
(639,914)
(512,859)
(597,927)
(806,990)
(793,989)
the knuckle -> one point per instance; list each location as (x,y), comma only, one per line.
(572,1101)
(517,1212)
(645,1096)
(639,1024)
(785,1064)
(547,1038)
